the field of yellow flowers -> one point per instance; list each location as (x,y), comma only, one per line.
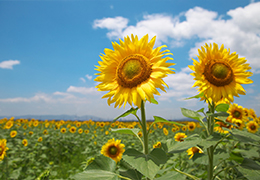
(59,149)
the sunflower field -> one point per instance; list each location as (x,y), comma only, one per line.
(221,142)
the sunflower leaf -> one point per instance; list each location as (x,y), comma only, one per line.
(96,175)
(153,101)
(160,119)
(197,96)
(130,111)
(222,107)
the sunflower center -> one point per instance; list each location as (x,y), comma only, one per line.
(237,114)
(133,70)
(113,150)
(253,127)
(218,73)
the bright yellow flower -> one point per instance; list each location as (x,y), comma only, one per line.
(237,113)
(13,133)
(252,126)
(157,145)
(220,127)
(63,130)
(3,149)
(40,139)
(80,131)
(193,150)
(184,128)
(180,137)
(73,129)
(30,133)
(132,71)
(165,132)
(191,126)
(107,132)
(113,149)
(252,114)
(140,134)
(25,142)
(86,131)
(239,123)
(219,74)
(45,132)
(9,124)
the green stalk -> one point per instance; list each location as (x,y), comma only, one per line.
(145,133)
(210,149)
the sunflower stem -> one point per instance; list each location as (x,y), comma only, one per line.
(210,149)
(145,134)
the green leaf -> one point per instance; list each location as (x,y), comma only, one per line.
(197,96)
(132,174)
(96,175)
(141,162)
(222,107)
(172,175)
(153,101)
(211,140)
(236,157)
(130,111)
(250,164)
(133,131)
(102,163)
(160,119)
(176,147)
(201,110)
(249,174)
(191,114)
(245,136)
(158,156)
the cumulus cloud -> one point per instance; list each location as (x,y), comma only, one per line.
(180,85)
(240,32)
(82,90)
(9,64)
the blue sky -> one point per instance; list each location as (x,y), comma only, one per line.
(48,50)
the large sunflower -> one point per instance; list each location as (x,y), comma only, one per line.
(3,149)
(113,149)
(219,74)
(132,71)
(252,126)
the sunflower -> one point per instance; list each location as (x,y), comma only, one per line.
(252,114)
(180,137)
(3,149)
(25,142)
(157,145)
(73,129)
(113,149)
(13,133)
(252,126)
(165,132)
(237,113)
(240,124)
(40,139)
(9,124)
(132,71)
(219,74)
(107,132)
(63,130)
(45,132)
(191,126)
(184,128)
(86,131)
(80,131)
(220,126)
(194,150)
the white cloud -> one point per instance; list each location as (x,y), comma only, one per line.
(116,25)
(88,77)
(82,79)
(82,90)
(8,64)
(180,86)
(240,33)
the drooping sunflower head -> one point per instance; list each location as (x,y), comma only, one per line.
(219,74)
(252,126)
(165,132)
(113,149)
(133,71)
(180,137)
(3,149)
(193,150)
